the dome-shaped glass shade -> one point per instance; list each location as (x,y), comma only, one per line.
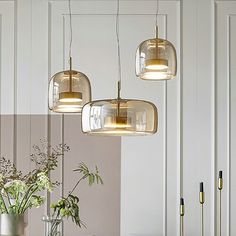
(156,60)
(69,91)
(118,117)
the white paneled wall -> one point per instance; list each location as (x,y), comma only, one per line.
(197,110)
(197,128)
(149,191)
(8,49)
(225,105)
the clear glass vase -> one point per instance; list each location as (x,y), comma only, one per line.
(52,226)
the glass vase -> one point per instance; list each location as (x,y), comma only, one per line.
(52,226)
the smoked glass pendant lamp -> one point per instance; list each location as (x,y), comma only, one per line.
(69,90)
(119,117)
(156,58)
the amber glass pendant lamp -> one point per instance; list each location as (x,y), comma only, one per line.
(118,116)
(156,58)
(69,90)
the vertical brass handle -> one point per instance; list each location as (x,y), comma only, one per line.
(202,201)
(181,212)
(220,187)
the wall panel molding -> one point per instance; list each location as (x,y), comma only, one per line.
(197,110)
(197,113)
(225,14)
(58,54)
(7,76)
(7,57)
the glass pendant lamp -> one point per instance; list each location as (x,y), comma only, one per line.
(156,58)
(69,90)
(117,117)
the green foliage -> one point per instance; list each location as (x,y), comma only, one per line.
(92,177)
(69,207)
(20,192)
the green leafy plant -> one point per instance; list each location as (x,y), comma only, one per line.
(20,192)
(69,206)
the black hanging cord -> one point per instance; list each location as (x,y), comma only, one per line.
(118,47)
(157,12)
(71,32)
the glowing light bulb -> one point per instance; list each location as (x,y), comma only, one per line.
(153,75)
(69,108)
(70,100)
(68,97)
(156,64)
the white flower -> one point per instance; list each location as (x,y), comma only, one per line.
(1,178)
(44,182)
(14,188)
(15,184)
(36,201)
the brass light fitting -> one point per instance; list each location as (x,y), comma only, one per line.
(117,122)
(70,96)
(121,120)
(156,63)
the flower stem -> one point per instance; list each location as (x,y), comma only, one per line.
(25,199)
(8,198)
(3,202)
(55,223)
(84,177)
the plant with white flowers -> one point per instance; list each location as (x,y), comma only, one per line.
(20,192)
